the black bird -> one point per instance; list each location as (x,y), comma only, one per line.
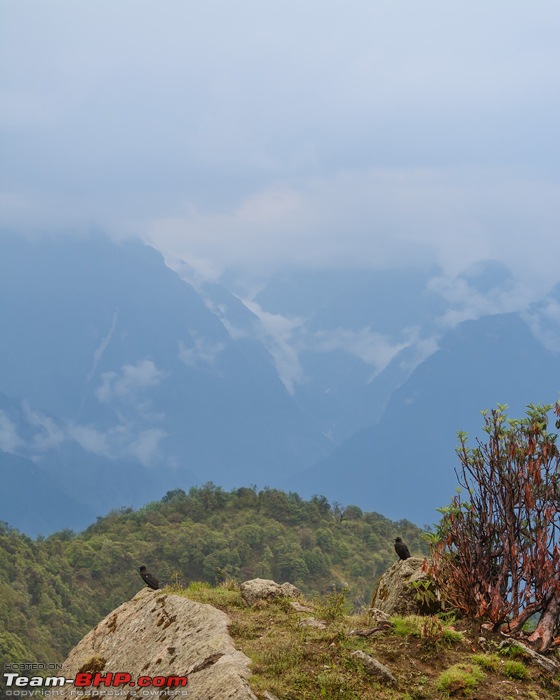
(401,549)
(149,578)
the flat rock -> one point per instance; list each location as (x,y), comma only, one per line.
(266,589)
(312,622)
(158,634)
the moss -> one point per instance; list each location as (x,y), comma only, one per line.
(515,669)
(489,662)
(513,650)
(452,636)
(460,678)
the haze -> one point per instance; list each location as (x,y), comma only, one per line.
(253,135)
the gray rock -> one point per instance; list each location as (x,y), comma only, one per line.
(157,634)
(312,622)
(395,595)
(378,615)
(375,668)
(289,590)
(265,589)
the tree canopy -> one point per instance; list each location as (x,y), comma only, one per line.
(53,590)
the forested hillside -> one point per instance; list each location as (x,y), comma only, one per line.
(53,590)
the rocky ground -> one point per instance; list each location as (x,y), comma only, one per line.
(262,640)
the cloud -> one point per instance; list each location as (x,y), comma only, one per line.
(146,445)
(466,302)
(381,218)
(43,434)
(49,434)
(544,321)
(375,349)
(280,336)
(420,349)
(122,441)
(370,134)
(96,441)
(133,380)
(10,441)
(287,338)
(203,352)
(105,341)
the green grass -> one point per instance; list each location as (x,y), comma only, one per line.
(489,662)
(515,669)
(430,628)
(429,657)
(333,606)
(222,596)
(510,668)
(408,626)
(514,651)
(452,636)
(460,678)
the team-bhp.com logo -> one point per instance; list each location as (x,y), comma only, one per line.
(14,682)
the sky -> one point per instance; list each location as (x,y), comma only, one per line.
(255,134)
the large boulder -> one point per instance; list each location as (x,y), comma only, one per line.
(407,589)
(265,589)
(158,634)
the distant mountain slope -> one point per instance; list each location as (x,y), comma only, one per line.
(347,325)
(404,465)
(127,381)
(131,379)
(34,502)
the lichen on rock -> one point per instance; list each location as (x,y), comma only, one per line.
(265,589)
(406,589)
(157,634)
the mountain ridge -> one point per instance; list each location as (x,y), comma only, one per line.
(415,430)
(130,381)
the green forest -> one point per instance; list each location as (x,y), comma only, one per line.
(53,590)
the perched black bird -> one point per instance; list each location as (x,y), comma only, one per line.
(401,549)
(149,578)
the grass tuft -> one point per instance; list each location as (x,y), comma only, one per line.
(333,606)
(460,678)
(513,650)
(515,669)
(489,662)
(409,626)
(430,629)
(429,657)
